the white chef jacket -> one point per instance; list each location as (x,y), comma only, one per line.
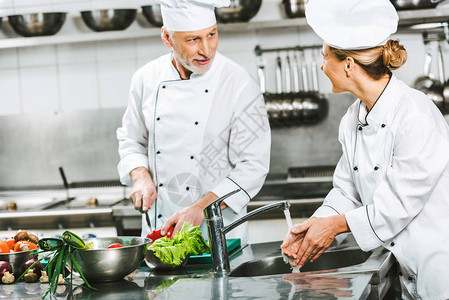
(392,184)
(207,133)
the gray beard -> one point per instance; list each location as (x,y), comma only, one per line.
(188,66)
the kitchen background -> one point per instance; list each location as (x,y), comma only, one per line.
(62,98)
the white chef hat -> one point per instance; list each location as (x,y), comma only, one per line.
(352,24)
(189,15)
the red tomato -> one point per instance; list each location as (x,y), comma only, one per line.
(17,246)
(114,245)
(4,248)
(11,243)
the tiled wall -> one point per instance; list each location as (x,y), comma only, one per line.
(96,75)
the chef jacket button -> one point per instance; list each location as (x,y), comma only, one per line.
(163,86)
(376,168)
(383,125)
(192,157)
(187,188)
(392,244)
(410,278)
(159,216)
(355,168)
(400,273)
(360,128)
(196,123)
(157,119)
(161,184)
(206,91)
(158,152)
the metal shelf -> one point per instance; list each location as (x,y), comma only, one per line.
(406,18)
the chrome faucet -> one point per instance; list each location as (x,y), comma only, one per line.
(217,230)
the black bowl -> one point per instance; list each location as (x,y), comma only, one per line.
(152,14)
(294,8)
(239,11)
(108,19)
(37,24)
(413,4)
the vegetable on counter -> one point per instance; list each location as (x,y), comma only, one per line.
(187,241)
(33,269)
(30,276)
(6,272)
(7,278)
(61,254)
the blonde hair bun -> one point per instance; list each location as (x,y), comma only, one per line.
(394,55)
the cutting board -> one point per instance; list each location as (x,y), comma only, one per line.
(231,245)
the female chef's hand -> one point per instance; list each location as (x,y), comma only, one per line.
(143,192)
(307,241)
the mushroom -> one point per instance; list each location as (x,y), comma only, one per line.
(32,237)
(8,278)
(24,247)
(30,276)
(44,277)
(61,279)
(21,235)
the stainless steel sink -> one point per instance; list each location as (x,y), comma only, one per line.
(329,261)
(265,260)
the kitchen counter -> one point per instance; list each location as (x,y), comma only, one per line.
(196,281)
(146,285)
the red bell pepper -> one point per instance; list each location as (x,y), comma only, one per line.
(156,234)
(114,245)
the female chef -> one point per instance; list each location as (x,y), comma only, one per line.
(391,183)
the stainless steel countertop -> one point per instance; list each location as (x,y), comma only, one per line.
(290,286)
(197,282)
(146,285)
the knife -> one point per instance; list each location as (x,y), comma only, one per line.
(147,218)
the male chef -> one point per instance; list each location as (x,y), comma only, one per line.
(195,128)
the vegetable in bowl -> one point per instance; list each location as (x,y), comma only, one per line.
(187,241)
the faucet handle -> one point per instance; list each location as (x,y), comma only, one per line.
(213,209)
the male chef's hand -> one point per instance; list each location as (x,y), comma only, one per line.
(143,192)
(308,240)
(192,214)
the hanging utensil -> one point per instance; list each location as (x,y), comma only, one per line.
(309,100)
(319,108)
(276,105)
(436,91)
(286,102)
(296,80)
(424,82)
(445,91)
(297,113)
(262,83)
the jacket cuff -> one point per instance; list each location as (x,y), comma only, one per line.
(325,211)
(129,163)
(237,201)
(360,226)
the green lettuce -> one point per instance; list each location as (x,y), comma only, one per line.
(187,241)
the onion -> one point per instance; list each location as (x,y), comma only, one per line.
(37,268)
(5,267)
